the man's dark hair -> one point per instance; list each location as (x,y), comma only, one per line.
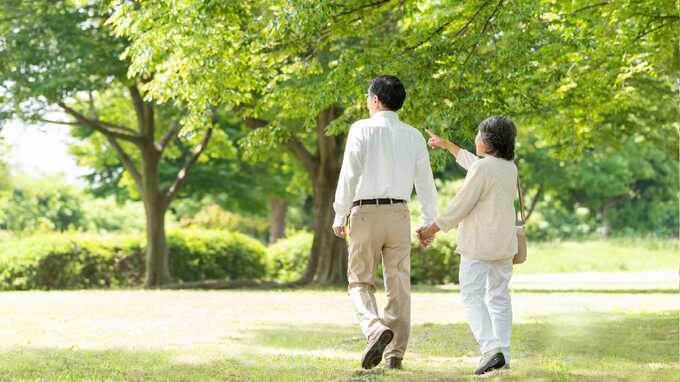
(499,135)
(389,90)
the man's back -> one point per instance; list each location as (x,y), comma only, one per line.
(385,158)
(391,149)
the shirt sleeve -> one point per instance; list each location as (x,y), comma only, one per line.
(466,159)
(424,183)
(349,177)
(464,201)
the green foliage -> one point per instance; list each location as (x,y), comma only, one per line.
(45,204)
(52,50)
(574,75)
(109,215)
(70,261)
(287,258)
(210,254)
(627,190)
(437,264)
(48,204)
(76,261)
(214,217)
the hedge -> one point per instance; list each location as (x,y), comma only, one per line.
(79,261)
(438,264)
(287,258)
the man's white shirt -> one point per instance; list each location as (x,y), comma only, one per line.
(385,158)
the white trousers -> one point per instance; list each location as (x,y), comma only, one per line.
(486,298)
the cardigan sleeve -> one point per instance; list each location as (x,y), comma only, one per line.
(465,200)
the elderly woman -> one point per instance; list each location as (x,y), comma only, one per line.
(484,213)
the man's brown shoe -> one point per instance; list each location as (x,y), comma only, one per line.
(376,346)
(393,363)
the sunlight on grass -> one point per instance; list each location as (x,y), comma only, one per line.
(601,256)
(589,347)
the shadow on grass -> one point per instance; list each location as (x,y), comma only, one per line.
(455,289)
(584,348)
(642,338)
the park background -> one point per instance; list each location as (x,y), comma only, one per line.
(168,168)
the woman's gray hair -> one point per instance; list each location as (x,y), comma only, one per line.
(499,133)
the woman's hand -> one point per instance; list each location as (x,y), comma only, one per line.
(426,234)
(437,141)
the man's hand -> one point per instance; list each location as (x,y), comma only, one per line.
(339,231)
(426,234)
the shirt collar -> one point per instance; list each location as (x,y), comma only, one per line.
(388,114)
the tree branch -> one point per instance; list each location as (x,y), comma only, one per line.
(446,24)
(128,163)
(648,31)
(255,123)
(299,150)
(117,126)
(98,125)
(591,6)
(169,136)
(534,201)
(294,145)
(184,172)
(58,122)
(481,34)
(357,9)
(138,104)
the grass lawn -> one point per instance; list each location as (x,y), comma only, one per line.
(311,335)
(601,256)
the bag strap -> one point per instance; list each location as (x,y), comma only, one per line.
(520,196)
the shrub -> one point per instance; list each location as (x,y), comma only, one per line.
(438,264)
(206,254)
(77,261)
(287,258)
(69,261)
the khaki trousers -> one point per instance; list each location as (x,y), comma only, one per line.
(381,232)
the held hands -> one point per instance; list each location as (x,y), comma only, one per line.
(427,233)
(339,231)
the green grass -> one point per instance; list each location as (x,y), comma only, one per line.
(593,348)
(601,256)
(611,345)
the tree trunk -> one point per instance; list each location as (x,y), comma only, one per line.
(157,269)
(277,229)
(606,223)
(329,253)
(328,260)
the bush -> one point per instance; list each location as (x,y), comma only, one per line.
(206,254)
(70,261)
(77,261)
(287,258)
(438,264)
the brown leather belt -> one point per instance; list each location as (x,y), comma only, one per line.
(377,201)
